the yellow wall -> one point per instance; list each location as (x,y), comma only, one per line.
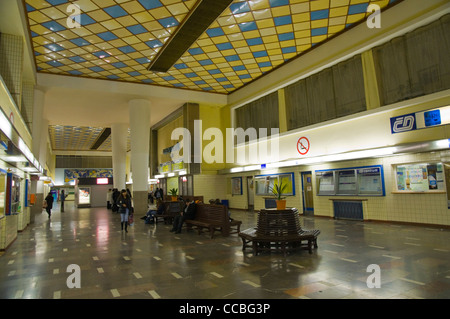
(164,138)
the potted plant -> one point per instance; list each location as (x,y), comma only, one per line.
(277,191)
(173,192)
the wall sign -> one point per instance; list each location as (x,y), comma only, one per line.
(303,145)
(420,120)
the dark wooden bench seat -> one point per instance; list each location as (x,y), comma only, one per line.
(278,230)
(213,218)
(171,209)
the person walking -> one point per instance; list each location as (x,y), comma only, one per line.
(124,203)
(63,198)
(49,201)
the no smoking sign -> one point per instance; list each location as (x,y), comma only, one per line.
(303,145)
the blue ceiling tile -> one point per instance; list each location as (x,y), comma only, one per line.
(224,46)
(168,78)
(101,54)
(77,59)
(248,26)
(205,62)
(289,50)
(107,36)
(137,29)
(75,72)
(168,22)
(86,20)
(254,41)
(233,57)
(278,3)
(190,75)
(154,44)
(115,11)
(195,51)
(239,7)
(55,63)
(319,31)
(96,69)
(127,49)
(142,60)
(119,65)
(134,73)
(215,32)
(239,68)
(54,47)
(150,4)
(112,77)
(320,14)
(180,66)
(80,42)
(283,20)
(56,2)
(53,26)
(215,71)
(286,36)
(358,8)
(260,54)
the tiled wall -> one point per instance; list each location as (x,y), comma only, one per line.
(210,186)
(11,64)
(412,208)
(27,104)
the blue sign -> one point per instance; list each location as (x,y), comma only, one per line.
(404,123)
(432,118)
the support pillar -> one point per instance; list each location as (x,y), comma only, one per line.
(37,187)
(140,145)
(119,133)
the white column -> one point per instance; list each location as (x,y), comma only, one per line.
(119,133)
(140,140)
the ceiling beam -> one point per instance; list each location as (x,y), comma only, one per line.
(198,21)
(101,138)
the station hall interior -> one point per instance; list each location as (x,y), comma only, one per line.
(344,102)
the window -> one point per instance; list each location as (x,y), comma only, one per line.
(357,181)
(265,183)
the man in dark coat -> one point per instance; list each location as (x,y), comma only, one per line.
(188,213)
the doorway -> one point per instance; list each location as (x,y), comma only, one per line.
(307,193)
(250,194)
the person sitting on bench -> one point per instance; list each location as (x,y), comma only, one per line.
(188,213)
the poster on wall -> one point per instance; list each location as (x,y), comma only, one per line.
(72,174)
(236,186)
(84,196)
(420,177)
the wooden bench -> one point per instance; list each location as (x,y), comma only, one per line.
(278,230)
(171,209)
(213,218)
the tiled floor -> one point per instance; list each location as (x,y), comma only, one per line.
(150,262)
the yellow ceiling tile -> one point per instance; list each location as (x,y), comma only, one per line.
(104,3)
(338,12)
(337,21)
(339,3)
(87,5)
(131,39)
(259,4)
(177,8)
(300,7)
(319,23)
(251,34)
(67,34)
(318,38)
(280,11)
(302,26)
(301,17)
(126,21)
(220,39)
(38,16)
(358,1)
(285,28)
(266,23)
(54,13)
(231,29)
(268,31)
(209,49)
(299,35)
(272,47)
(96,28)
(319,5)
(99,15)
(160,13)
(355,17)
(122,33)
(226,20)
(132,7)
(38,4)
(235,37)
(289,43)
(336,28)
(111,24)
(204,42)
(244,17)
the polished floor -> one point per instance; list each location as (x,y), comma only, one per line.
(150,262)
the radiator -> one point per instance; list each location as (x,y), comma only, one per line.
(348,210)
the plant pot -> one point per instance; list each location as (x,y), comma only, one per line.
(281,204)
(174,198)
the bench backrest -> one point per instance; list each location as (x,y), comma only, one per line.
(173,208)
(212,213)
(272,222)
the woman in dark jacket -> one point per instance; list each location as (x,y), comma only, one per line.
(124,203)
(49,201)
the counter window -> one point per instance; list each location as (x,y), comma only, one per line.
(423,177)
